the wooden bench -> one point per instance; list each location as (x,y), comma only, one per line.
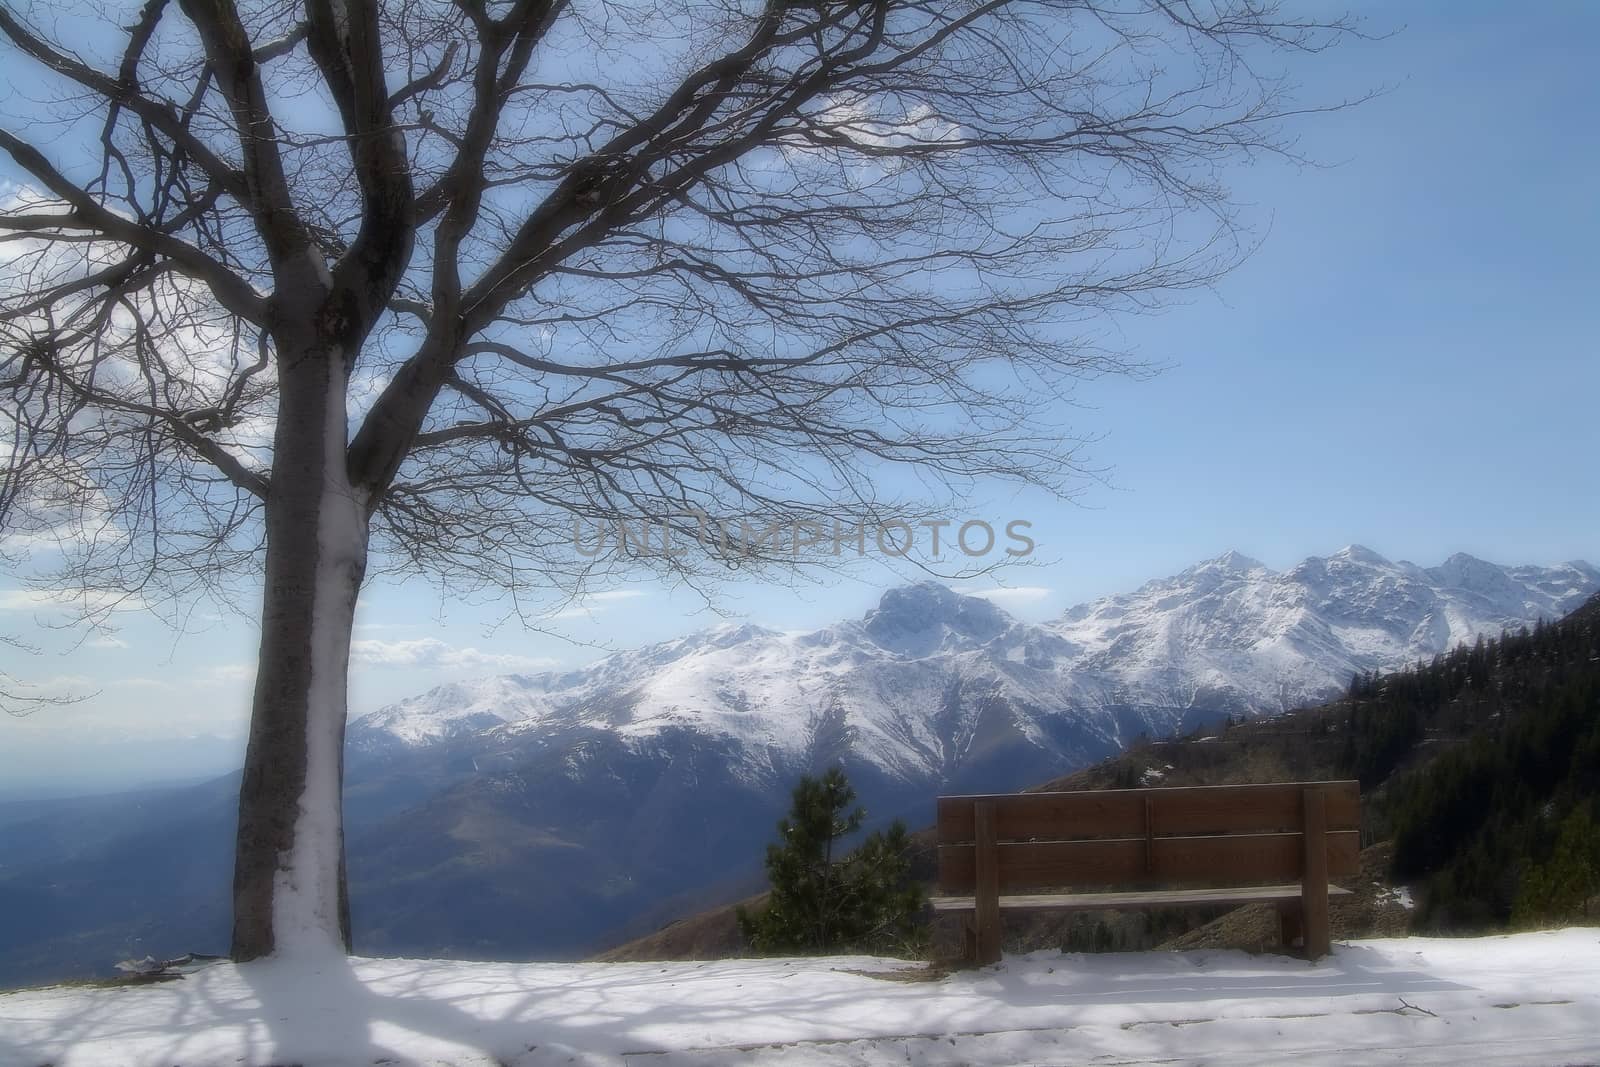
(1274,844)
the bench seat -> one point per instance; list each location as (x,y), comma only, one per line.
(1153,898)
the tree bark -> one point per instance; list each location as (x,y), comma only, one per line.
(290,893)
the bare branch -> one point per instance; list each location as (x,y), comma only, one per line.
(344,39)
(267,191)
(125,91)
(88,214)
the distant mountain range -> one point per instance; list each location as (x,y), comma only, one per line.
(544,815)
(931,686)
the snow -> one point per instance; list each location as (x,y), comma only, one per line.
(1518,999)
(457,707)
(1400,896)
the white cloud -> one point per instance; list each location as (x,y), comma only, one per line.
(363,393)
(64,683)
(88,601)
(226,675)
(57,687)
(861,122)
(425,653)
(230,672)
(106,642)
(430,652)
(1015,594)
(143,683)
(210,677)
(596,603)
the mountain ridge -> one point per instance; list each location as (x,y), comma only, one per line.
(1228,636)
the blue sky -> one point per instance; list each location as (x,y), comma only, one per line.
(1409,361)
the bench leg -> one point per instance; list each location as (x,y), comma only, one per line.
(986,893)
(1314,908)
(1314,880)
(969,940)
(1289,924)
(987,941)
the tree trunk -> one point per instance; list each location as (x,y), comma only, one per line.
(289,889)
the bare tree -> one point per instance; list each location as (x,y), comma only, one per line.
(303,290)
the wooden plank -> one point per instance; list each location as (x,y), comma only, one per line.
(955,868)
(1314,882)
(1120,812)
(1238,858)
(1288,895)
(986,893)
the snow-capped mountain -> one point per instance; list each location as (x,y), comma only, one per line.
(573,807)
(1234,634)
(931,683)
(917,688)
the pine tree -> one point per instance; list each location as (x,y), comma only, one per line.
(865,900)
(1559,890)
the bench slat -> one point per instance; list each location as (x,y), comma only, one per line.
(1176,810)
(1258,858)
(1266,894)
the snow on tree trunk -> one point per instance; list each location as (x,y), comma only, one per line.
(290,894)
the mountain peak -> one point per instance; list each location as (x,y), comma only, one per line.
(1360,554)
(924,598)
(1225,570)
(1232,562)
(1465,571)
(916,619)
(727,634)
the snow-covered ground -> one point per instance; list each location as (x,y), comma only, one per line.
(1522,999)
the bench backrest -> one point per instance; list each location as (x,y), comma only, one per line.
(1216,834)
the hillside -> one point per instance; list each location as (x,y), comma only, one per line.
(1469,764)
